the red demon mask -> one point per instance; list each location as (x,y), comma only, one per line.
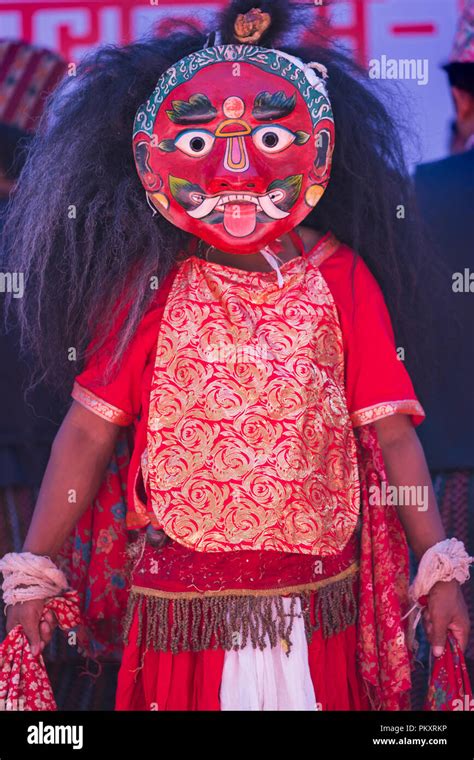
(235,145)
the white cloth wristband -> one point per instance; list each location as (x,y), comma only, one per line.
(28,576)
(445,561)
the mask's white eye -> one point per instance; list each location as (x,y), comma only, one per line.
(195,142)
(272,139)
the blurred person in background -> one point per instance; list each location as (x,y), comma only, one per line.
(445,191)
(460,71)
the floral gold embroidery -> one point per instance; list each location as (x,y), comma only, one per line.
(250,445)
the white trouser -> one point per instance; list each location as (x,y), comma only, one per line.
(270,680)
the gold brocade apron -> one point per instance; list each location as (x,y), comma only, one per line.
(250,445)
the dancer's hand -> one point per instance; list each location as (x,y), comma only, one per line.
(37,624)
(446,610)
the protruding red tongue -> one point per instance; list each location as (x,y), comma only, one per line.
(240,219)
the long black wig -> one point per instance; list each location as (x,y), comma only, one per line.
(80,229)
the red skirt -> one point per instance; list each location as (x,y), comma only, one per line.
(160,680)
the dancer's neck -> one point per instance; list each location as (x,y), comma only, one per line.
(284,249)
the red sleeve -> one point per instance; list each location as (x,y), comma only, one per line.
(377,383)
(119,399)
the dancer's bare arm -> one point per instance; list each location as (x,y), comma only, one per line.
(80,454)
(406,467)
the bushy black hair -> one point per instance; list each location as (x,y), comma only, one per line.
(13,150)
(81,230)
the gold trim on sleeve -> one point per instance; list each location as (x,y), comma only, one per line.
(386,409)
(100,407)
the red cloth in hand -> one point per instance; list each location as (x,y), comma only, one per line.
(449,688)
(24,682)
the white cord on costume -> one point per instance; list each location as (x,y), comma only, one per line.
(28,576)
(150,204)
(273,261)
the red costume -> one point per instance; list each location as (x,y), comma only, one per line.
(274,513)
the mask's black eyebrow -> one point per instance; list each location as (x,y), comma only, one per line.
(273,105)
(197,110)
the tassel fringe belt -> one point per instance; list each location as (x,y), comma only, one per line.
(190,621)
